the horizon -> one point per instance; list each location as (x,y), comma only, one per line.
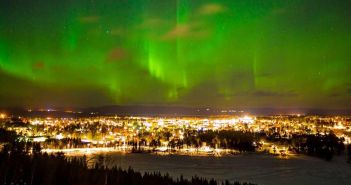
(155,110)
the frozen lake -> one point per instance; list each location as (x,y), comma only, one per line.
(257,168)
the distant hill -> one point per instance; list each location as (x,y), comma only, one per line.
(153,110)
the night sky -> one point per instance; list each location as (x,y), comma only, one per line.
(224,53)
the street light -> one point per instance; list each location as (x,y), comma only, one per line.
(2,116)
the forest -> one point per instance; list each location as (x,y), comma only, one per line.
(24,163)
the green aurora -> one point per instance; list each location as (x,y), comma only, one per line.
(224,53)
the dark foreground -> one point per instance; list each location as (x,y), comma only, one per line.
(18,167)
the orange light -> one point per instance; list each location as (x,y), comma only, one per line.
(2,116)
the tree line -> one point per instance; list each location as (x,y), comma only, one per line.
(324,145)
(23,163)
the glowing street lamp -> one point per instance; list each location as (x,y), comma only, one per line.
(2,116)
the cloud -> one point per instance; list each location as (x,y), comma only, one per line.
(279,11)
(259,93)
(262,93)
(194,28)
(185,31)
(89,19)
(178,31)
(152,22)
(264,74)
(38,65)
(116,54)
(211,9)
(118,32)
(345,91)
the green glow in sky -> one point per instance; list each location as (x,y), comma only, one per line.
(224,53)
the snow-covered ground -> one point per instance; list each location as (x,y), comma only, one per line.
(257,168)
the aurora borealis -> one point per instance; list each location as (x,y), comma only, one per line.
(224,53)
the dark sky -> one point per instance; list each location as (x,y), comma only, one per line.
(224,53)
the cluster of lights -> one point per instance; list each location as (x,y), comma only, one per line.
(119,131)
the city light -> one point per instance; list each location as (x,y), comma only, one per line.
(39,139)
(164,134)
(247,119)
(2,115)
